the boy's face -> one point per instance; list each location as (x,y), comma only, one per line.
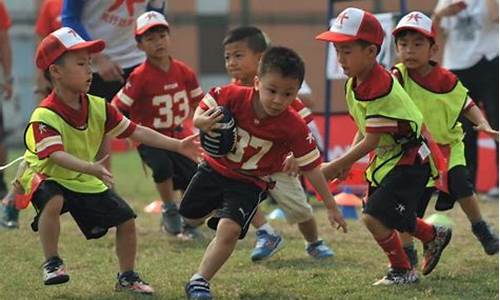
(276,92)
(241,61)
(155,43)
(74,73)
(354,58)
(415,50)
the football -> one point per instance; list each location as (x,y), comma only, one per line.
(223,139)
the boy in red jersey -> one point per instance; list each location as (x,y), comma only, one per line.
(243,47)
(160,94)
(234,185)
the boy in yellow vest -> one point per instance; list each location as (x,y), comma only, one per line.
(389,124)
(62,140)
(441,98)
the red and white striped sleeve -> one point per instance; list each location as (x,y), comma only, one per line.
(47,140)
(304,112)
(131,91)
(117,125)
(381,125)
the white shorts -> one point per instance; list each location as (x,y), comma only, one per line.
(291,197)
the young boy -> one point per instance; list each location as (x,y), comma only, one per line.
(441,98)
(160,94)
(243,48)
(268,130)
(62,140)
(389,124)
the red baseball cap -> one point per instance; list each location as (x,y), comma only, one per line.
(354,24)
(60,41)
(148,20)
(416,21)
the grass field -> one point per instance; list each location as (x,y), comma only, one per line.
(464,272)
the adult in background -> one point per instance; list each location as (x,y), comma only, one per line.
(113,22)
(470,30)
(48,20)
(6,83)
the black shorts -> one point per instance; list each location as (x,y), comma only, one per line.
(167,164)
(459,186)
(108,89)
(394,202)
(233,199)
(94,213)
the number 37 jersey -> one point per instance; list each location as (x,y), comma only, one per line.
(157,99)
(263,144)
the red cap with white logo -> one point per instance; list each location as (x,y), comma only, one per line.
(416,21)
(148,20)
(60,41)
(354,24)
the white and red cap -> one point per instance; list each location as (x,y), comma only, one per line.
(416,21)
(354,24)
(60,41)
(148,20)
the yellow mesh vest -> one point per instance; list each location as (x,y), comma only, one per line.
(441,112)
(396,105)
(81,143)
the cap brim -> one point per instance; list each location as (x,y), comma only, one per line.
(335,37)
(149,26)
(93,46)
(412,28)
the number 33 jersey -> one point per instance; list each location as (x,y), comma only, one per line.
(263,144)
(157,99)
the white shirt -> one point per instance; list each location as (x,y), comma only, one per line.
(115,25)
(471,35)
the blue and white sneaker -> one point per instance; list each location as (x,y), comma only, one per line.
(54,271)
(198,289)
(171,219)
(319,250)
(267,244)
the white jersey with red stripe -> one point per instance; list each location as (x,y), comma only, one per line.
(114,22)
(262,144)
(158,99)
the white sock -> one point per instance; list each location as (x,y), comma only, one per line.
(267,228)
(197,276)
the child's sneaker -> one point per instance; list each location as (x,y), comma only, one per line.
(488,239)
(190,233)
(171,219)
(54,271)
(198,289)
(131,282)
(434,248)
(397,276)
(267,244)
(319,250)
(9,217)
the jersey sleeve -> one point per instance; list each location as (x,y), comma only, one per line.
(117,125)
(304,112)
(47,140)
(378,124)
(194,89)
(129,93)
(303,146)
(5,21)
(215,97)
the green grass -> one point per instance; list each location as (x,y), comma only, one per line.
(464,272)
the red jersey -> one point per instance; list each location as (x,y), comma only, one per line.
(49,18)
(262,144)
(4,17)
(160,100)
(304,112)
(48,140)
